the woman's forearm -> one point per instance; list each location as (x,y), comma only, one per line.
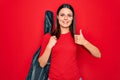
(45,56)
(92,49)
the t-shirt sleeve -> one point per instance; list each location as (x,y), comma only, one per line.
(44,43)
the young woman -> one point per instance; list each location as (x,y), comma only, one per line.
(62,45)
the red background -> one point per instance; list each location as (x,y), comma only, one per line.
(21,29)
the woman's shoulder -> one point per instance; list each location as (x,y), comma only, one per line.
(47,35)
(45,38)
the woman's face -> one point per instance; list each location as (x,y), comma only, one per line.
(65,17)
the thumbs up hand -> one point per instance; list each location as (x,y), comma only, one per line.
(79,39)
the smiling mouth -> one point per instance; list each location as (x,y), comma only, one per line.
(65,22)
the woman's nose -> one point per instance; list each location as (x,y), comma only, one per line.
(65,17)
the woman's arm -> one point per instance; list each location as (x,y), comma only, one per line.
(79,39)
(44,58)
(46,54)
(92,49)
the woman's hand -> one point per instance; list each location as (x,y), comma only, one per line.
(52,41)
(79,39)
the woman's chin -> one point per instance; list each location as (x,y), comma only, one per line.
(65,26)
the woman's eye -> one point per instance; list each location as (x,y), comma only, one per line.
(62,15)
(69,15)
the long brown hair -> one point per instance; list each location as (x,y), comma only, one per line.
(57,31)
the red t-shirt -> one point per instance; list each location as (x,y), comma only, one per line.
(63,59)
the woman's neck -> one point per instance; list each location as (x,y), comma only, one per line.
(65,30)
